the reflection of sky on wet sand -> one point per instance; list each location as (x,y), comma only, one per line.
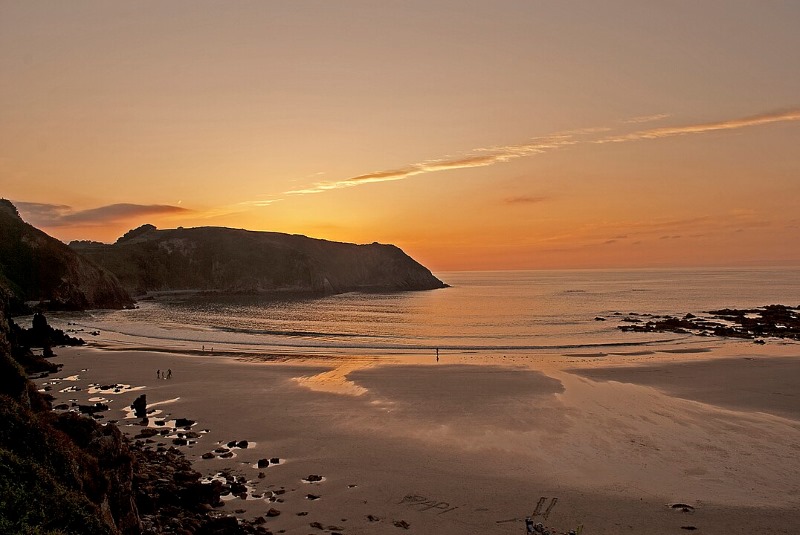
(335,381)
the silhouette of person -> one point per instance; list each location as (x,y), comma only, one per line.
(437,354)
(158,374)
(169,373)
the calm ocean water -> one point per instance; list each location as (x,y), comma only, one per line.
(502,311)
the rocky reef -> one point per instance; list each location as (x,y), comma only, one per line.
(35,267)
(241,261)
(779,321)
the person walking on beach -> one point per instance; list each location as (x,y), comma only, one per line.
(437,354)
(528,524)
(169,373)
(158,374)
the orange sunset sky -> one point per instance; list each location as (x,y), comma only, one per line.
(474,135)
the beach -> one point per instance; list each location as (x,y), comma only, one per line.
(702,439)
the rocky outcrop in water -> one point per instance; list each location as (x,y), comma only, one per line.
(234,260)
(36,267)
(779,321)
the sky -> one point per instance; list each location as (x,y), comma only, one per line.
(473,135)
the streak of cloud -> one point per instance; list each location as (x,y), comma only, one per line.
(259,203)
(493,156)
(59,215)
(483,157)
(646,118)
(524,199)
(669,131)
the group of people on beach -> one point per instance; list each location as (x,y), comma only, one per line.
(166,375)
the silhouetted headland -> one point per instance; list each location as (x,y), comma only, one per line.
(35,267)
(241,261)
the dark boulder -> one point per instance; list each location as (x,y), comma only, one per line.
(139,406)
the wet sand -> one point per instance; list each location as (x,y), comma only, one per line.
(604,442)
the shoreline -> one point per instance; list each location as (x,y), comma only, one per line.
(487,436)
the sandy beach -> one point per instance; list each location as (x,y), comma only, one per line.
(603,443)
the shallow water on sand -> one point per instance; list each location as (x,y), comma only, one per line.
(483,312)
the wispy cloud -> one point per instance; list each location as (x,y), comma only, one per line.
(260,203)
(524,199)
(59,215)
(646,118)
(478,158)
(732,124)
(483,157)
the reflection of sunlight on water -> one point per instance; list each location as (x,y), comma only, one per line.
(335,381)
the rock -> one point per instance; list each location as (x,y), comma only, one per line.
(273,512)
(92,409)
(242,444)
(316,525)
(373,518)
(139,406)
(401,524)
(226,525)
(261,475)
(207,455)
(313,478)
(263,463)
(312,497)
(238,488)
(184,422)
(274,460)
(147,433)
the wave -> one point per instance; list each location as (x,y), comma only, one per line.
(156,341)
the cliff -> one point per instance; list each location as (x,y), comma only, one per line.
(58,473)
(234,260)
(63,473)
(37,267)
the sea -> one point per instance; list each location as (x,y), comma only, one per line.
(569,311)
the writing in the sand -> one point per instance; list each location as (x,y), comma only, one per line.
(425,504)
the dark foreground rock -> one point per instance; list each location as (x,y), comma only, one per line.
(62,472)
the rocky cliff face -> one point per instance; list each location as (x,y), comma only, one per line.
(37,267)
(62,472)
(234,260)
